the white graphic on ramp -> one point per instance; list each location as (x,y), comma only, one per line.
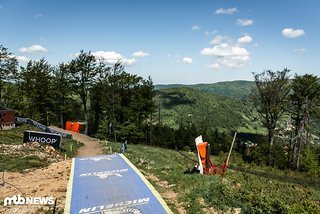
(98,158)
(105,174)
(108,174)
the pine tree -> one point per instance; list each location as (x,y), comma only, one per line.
(36,85)
(61,91)
(8,69)
(83,74)
(303,100)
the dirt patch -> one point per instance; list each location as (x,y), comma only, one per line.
(168,194)
(208,209)
(45,182)
(91,146)
(212,210)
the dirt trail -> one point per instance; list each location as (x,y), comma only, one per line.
(50,181)
(91,146)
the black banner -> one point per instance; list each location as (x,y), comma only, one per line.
(53,140)
(42,127)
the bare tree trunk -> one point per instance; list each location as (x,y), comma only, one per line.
(61,119)
(61,112)
(299,155)
(270,139)
(303,134)
(84,102)
(47,119)
(86,125)
(290,152)
(0,92)
(113,116)
(294,155)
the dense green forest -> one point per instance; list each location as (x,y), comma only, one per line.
(278,120)
(240,89)
(182,106)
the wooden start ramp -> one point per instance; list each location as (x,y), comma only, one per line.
(110,184)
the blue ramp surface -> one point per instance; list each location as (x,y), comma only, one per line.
(110,184)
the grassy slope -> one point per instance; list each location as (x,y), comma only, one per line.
(186,105)
(259,190)
(18,163)
(237,89)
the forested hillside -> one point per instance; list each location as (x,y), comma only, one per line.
(183,106)
(240,89)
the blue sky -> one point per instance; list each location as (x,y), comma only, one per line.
(173,41)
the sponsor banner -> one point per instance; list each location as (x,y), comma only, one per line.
(22,120)
(38,125)
(42,127)
(110,184)
(53,140)
(64,135)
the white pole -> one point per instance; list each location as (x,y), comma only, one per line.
(199,140)
(234,138)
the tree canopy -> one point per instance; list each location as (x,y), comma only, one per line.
(271,100)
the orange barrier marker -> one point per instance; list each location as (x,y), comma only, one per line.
(203,153)
(69,125)
(76,127)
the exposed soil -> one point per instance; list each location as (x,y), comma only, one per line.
(168,194)
(44,182)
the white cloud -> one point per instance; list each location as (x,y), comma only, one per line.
(140,54)
(207,33)
(227,55)
(187,60)
(214,66)
(195,27)
(291,33)
(38,16)
(218,39)
(33,49)
(300,50)
(244,22)
(226,11)
(245,39)
(22,59)
(111,57)
(225,49)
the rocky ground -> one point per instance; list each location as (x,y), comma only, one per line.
(47,153)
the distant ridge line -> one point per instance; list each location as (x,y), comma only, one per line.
(240,89)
